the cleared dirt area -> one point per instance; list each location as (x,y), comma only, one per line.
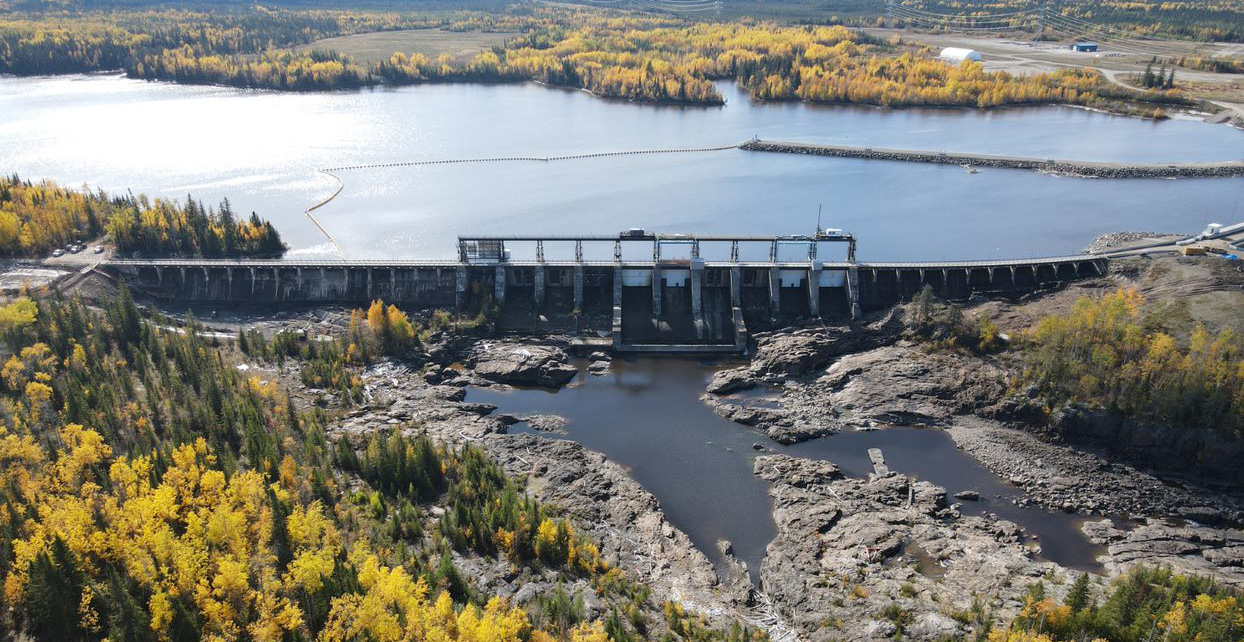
(380,45)
(1020,56)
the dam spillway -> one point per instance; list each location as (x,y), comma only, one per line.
(708,304)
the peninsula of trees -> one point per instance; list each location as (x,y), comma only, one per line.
(36,218)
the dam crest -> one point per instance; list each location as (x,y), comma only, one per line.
(675,300)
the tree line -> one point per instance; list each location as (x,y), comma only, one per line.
(1145,603)
(628,56)
(36,218)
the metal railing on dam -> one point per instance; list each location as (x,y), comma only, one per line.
(715,302)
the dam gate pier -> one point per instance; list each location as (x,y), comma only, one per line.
(682,293)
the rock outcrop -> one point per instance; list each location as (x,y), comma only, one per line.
(895,385)
(904,385)
(1186,549)
(522,364)
(1061,477)
(858,559)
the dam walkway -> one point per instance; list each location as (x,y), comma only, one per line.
(706,305)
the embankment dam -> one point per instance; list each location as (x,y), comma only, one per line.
(705,305)
(1090,169)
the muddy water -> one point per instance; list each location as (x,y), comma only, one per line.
(646,415)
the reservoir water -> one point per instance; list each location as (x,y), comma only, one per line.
(260,149)
(646,415)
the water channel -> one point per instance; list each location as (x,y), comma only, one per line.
(645,414)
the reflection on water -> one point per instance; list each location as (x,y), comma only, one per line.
(646,415)
(261,148)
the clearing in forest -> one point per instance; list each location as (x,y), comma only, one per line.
(380,45)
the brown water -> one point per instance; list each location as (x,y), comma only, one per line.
(646,415)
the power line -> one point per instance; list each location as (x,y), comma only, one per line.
(1016,20)
(1059,24)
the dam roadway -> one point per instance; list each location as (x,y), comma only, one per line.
(704,305)
(1088,169)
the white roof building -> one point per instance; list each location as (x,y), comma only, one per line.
(958,54)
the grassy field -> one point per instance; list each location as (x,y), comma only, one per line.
(380,45)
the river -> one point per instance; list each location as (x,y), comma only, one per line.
(646,415)
(260,149)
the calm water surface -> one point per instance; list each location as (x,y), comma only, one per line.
(646,415)
(260,149)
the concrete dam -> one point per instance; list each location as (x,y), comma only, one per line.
(706,304)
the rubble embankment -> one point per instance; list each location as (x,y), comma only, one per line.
(1086,169)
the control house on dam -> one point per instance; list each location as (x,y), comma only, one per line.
(664,292)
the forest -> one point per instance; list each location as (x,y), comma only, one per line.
(629,56)
(36,218)
(1142,604)
(1104,353)
(153,491)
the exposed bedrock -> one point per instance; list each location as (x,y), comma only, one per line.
(861,558)
(1204,453)
(1217,552)
(898,384)
(598,495)
(529,364)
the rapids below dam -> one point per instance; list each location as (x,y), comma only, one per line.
(645,414)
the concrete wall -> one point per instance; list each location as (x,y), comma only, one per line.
(688,296)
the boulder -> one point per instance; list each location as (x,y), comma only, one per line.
(524,364)
(732,380)
(794,354)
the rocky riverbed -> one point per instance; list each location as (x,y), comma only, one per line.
(819,389)
(854,557)
(600,497)
(884,557)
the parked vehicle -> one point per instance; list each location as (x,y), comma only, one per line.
(99,249)
(58,252)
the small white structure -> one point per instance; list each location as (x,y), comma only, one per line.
(959,54)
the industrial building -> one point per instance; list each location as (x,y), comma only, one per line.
(1084,47)
(959,54)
